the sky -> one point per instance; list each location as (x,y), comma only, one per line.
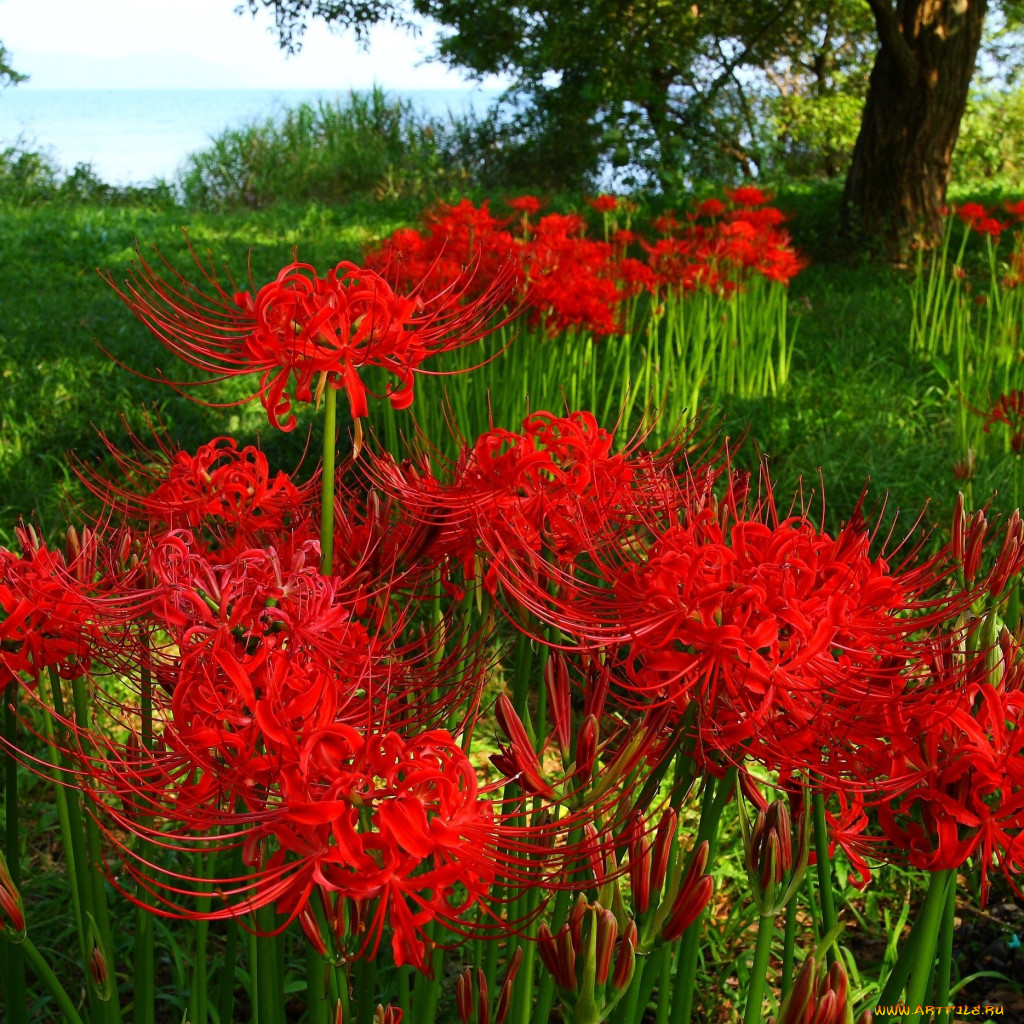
(118,44)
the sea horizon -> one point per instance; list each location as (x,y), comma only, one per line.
(142,136)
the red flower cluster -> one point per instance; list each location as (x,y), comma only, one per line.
(977,218)
(303,333)
(569,281)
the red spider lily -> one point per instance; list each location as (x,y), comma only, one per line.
(227,494)
(452,239)
(549,490)
(604,203)
(524,204)
(796,645)
(56,606)
(302,333)
(747,195)
(961,793)
(1009,409)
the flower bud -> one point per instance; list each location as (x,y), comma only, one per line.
(662,850)
(483,999)
(586,749)
(640,863)
(976,527)
(311,929)
(387,1014)
(99,969)
(556,680)
(625,963)
(507,987)
(607,933)
(464,995)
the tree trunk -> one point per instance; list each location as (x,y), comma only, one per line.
(896,185)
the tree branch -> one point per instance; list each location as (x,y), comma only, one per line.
(891,35)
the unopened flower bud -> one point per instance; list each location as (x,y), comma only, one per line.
(625,963)
(662,850)
(976,527)
(311,929)
(507,987)
(464,995)
(556,680)
(586,749)
(99,969)
(387,1015)
(483,999)
(640,863)
(607,934)
(692,896)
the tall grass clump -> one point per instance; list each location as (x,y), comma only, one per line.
(360,146)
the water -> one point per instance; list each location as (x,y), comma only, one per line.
(136,136)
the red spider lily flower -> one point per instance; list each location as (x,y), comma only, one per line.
(1009,409)
(969,213)
(550,490)
(604,203)
(226,494)
(452,239)
(56,607)
(795,644)
(524,204)
(747,195)
(710,208)
(989,226)
(302,333)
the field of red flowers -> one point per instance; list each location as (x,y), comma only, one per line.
(527,702)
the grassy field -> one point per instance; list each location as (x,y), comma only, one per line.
(859,408)
(859,405)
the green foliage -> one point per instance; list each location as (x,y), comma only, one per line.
(8,76)
(28,176)
(991,142)
(366,146)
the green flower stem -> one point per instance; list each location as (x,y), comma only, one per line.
(226,998)
(197,1002)
(919,946)
(759,969)
(716,796)
(316,987)
(404,979)
(42,971)
(269,995)
(108,1009)
(824,866)
(144,961)
(12,972)
(665,985)
(932,913)
(789,945)
(69,813)
(942,972)
(327,481)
